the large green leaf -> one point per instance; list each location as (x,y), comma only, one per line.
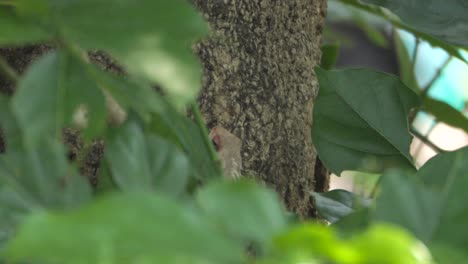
(182,131)
(360,120)
(376,10)
(41,177)
(130,94)
(336,204)
(446,19)
(431,204)
(50,94)
(121,229)
(14,30)
(404,202)
(141,161)
(150,38)
(244,210)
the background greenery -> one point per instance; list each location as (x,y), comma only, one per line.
(148,210)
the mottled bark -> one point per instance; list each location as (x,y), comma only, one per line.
(259,84)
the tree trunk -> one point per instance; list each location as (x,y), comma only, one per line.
(259,84)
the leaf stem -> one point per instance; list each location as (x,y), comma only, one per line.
(8,71)
(415,55)
(201,124)
(426,141)
(427,134)
(436,76)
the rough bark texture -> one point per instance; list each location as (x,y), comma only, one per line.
(259,85)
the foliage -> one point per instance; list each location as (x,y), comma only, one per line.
(165,201)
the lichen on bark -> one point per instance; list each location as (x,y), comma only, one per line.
(260,85)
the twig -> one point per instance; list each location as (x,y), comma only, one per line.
(8,71)
(427,134)
(415,55)
(436,76)
(425,89)
(426,141)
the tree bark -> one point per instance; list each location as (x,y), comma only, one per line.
(259,84)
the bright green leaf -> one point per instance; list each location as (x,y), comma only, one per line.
(312,243)
(386,244)
(50,94)
(122,229)
(336,204)
(141,161)
(360,121)
(245,210)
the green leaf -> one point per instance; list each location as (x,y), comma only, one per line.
(447,174)
(50,94)
(381,243)
(312,243)
(445,113)
(329,55)
(42,178)
(183,132)
(13,208)
(446,20)
(403,201)
(15,31)
(246,211)
(150,38)
(376,10)
(122,229)
(431,204)
(131,94)
(141,161)
(360,121)
(336,204)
